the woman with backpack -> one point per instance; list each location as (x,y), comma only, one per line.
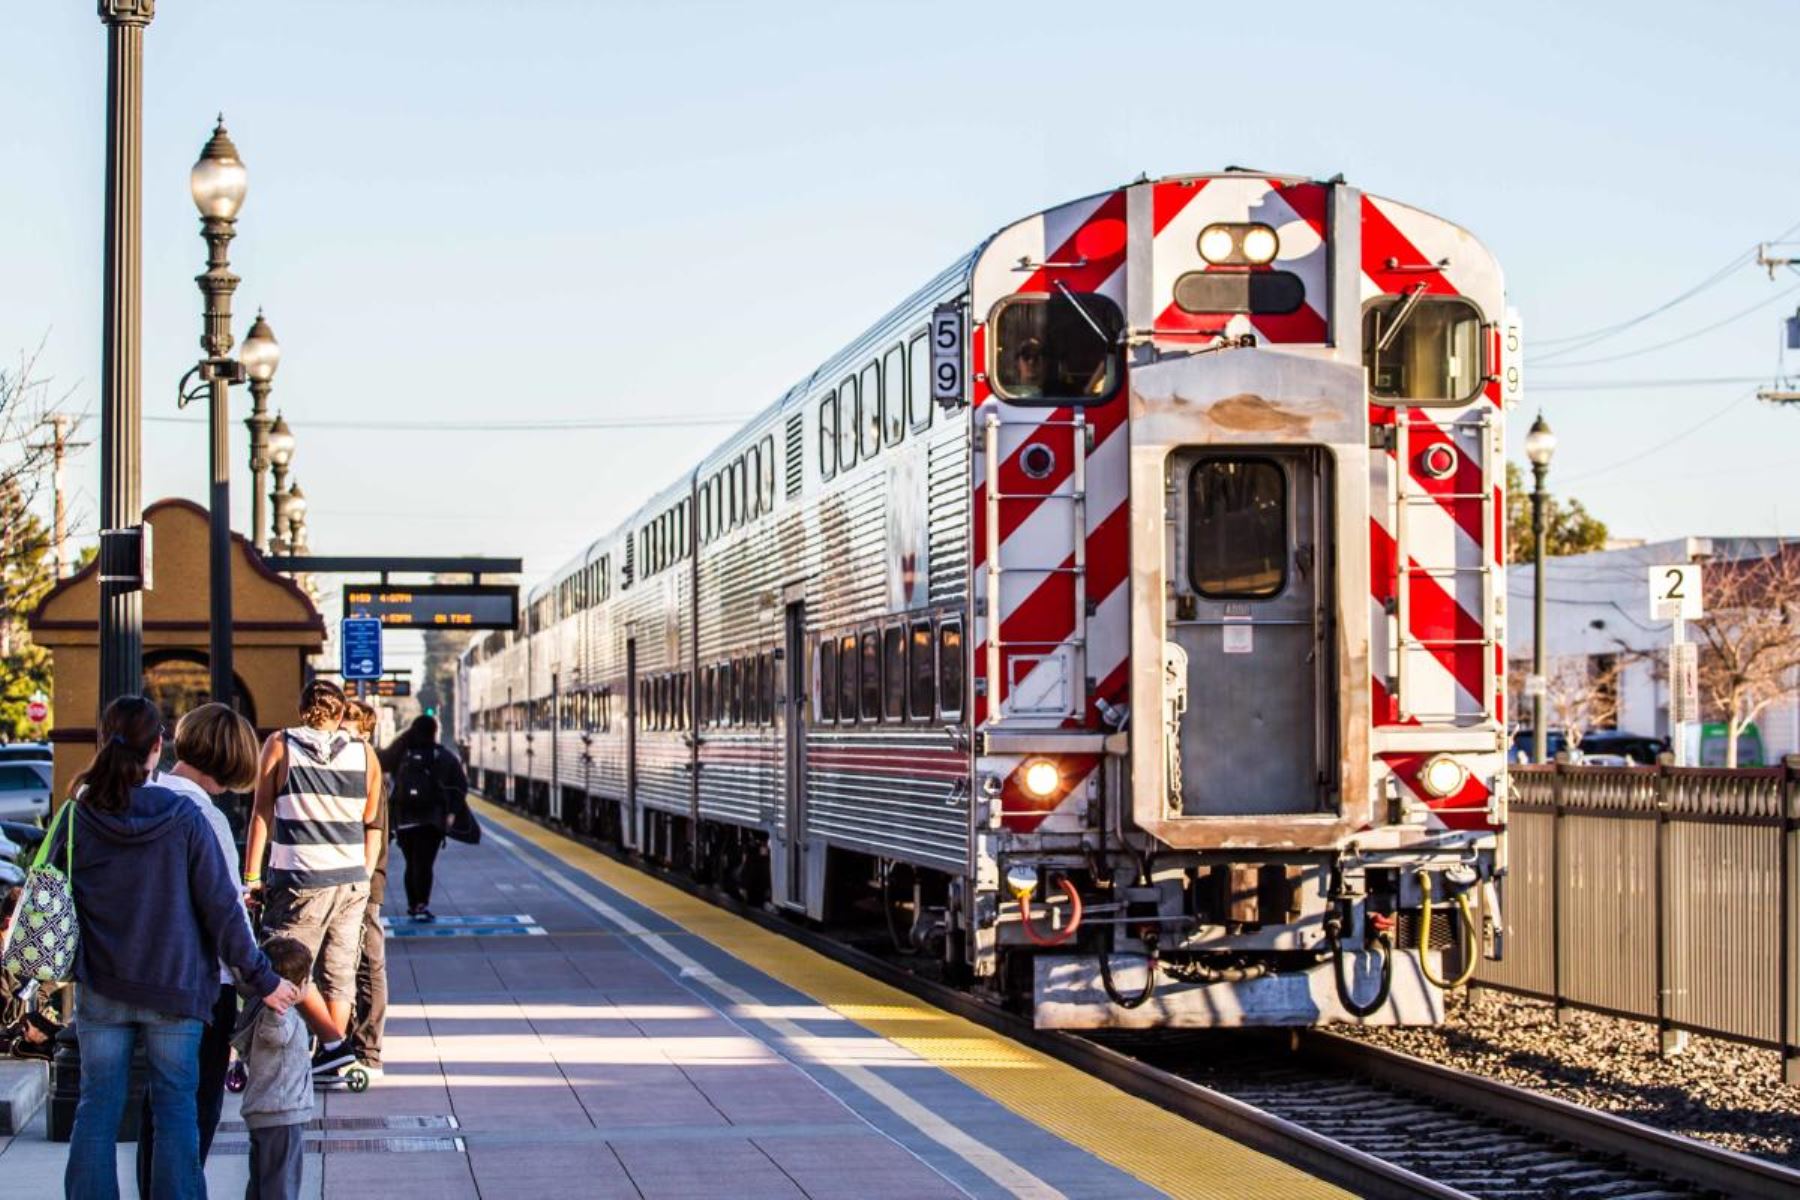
(428,783)
(157,909)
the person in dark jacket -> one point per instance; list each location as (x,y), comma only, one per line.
(158,911)
(428,784)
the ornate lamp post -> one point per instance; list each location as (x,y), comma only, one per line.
(281,454)
(261,355)
(218,182)
(1540,446)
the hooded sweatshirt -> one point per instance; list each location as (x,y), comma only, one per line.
(278,1087)
(158,907)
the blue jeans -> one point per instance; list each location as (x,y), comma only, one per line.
(108,1029)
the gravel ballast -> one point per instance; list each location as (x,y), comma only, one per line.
(1728,1094)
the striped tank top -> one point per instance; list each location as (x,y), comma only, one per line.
(318,839)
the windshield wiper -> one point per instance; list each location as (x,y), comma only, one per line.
(1406,310)
(1092,324)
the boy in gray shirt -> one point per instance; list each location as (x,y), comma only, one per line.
(278,1097)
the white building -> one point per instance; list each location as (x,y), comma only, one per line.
(1597,608)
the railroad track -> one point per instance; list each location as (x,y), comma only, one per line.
(1375,1122)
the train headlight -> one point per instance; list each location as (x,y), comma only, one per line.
(1260,244)
(1443,776)
(1040,778)
(1216,244)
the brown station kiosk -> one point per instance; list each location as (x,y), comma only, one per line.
(275,629)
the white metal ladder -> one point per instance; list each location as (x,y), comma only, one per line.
(1403,644)
(1076,642)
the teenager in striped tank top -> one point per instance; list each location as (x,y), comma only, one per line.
(318,818)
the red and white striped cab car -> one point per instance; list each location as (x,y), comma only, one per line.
(1119,617)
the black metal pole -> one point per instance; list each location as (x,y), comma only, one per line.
(259,422)
(1540,736)
(121,632)
(217,284)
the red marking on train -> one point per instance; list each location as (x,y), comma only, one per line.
(1383,242)
(1168,199)
(1466,808)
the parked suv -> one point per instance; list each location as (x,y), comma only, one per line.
(1641,750)
(25,752)
(24,791)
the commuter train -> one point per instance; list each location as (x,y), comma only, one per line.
(1118,619)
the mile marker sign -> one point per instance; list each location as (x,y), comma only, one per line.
(1675,592)
(360,639)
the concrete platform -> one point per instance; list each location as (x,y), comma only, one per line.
(582,1030)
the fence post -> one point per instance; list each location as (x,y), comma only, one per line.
(1556,885)
(1668,1040)
(1790,1056)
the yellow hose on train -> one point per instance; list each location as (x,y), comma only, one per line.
(1469,935)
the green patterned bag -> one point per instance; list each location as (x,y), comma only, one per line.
(40,945)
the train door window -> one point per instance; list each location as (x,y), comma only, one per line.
(848,417)
(847,678)
(918,381)
(893,673)
(828,433)
(1237,528)
(871,410)
(1060,349)
(921,703)
(768,474)
(950,670)
(893,395)
(826,676)
(1423,349)
(871,677)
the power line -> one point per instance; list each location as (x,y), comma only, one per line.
(1675,341)
(536,426)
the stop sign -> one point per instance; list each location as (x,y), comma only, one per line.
(36,711)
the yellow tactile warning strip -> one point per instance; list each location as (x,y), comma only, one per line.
(1157,1147)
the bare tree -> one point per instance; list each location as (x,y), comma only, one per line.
(1581,693)
(1749,638)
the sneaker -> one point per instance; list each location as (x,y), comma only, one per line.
(424,915)
(330,1062)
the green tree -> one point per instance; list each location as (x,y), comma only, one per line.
(25,576)
(1569,527)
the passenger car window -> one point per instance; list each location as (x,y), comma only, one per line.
(1432,352)
(871,677)
(849,415)
(950,670)
(921,703)
(768,474)
(847,678)
(870,389)
(893,674)
(1061,348)
(893,395)
(827,677)
(828,432)
(1237,528)
(918,381)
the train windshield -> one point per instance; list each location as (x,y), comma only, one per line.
(1060,349)
(1423,349)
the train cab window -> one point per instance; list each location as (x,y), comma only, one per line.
(849,416)
(1423,349)
(871,677)
(847,678)
(893,396)
(950,670)
(827,679)
(893,674)
(1060,349)
(1237,528)
(922,688)
(870,390)
(828,418)
(918,381)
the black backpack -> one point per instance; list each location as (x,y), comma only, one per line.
(418,797)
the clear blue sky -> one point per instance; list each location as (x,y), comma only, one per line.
(473,211)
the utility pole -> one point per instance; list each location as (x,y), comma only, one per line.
(1780,395)
(59,446)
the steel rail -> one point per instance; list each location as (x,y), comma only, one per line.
(1687,1159)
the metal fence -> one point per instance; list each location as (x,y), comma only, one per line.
(1659,894)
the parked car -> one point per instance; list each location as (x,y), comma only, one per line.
(25,752)
(24,835)
(24,791)
(1555,742)
(1640,749)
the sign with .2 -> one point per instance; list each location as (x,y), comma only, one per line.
(1675,592)
(947,384)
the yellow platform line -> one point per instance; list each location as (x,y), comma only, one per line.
(1146,1142)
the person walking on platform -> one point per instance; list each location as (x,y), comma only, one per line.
(370,1016)
(429,785)
(318,817)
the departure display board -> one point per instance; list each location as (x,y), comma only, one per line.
(434,606)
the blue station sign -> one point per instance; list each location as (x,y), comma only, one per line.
(360,638)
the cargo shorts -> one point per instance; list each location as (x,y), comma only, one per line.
(328,920)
